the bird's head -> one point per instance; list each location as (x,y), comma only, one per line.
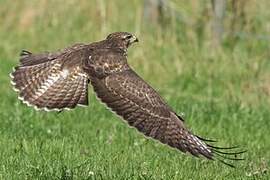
(122,39)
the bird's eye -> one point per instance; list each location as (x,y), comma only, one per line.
(127,37)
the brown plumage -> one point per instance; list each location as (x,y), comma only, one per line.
(52,81)
(55,81)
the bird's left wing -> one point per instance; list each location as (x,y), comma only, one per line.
(141,106)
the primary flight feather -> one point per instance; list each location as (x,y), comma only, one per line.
(59,80)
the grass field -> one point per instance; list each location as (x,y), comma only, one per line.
(224,94)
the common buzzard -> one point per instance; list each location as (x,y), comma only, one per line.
(59,80)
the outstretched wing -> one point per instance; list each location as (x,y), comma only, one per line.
(141,106)
(52,81)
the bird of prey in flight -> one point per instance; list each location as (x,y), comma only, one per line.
(59,80)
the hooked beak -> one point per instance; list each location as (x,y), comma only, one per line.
(134,39)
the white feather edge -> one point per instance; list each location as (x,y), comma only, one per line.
(32,105)
(81,105)
(142,134)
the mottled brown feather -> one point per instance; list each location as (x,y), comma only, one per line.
(52,81)
(145,110)
(59,80)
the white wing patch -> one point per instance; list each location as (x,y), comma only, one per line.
(64,73)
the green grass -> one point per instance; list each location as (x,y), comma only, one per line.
(224,95)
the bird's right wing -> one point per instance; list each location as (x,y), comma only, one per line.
(52,81)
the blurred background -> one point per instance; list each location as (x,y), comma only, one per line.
(219,43)
(209,59)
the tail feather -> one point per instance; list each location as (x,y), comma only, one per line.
(25,53)
(46,85)
(29,59)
